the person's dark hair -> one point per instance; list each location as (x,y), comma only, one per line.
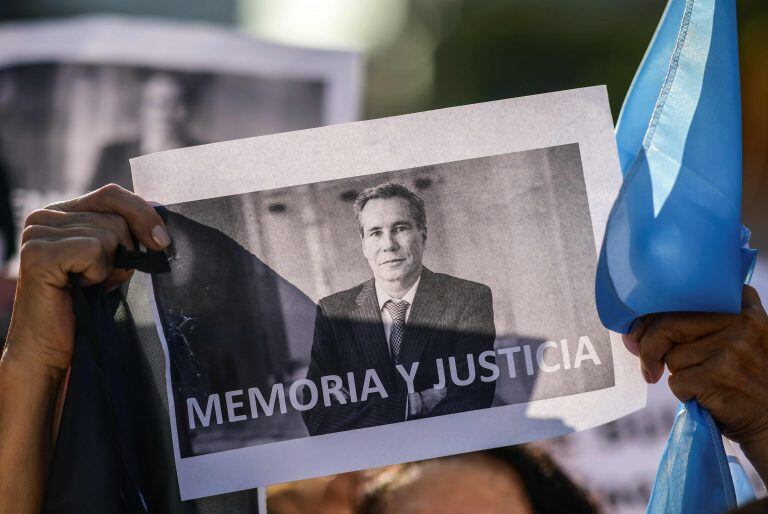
(393,190)
(549,489)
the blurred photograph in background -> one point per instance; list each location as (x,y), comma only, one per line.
(74,110)
(71,128)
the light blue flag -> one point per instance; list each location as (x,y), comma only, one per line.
(674,240)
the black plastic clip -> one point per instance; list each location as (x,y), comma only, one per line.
(148,262)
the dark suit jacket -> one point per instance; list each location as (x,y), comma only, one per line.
(450,317)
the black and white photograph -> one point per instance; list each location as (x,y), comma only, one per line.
(98,116)
(381,299)
(353,307)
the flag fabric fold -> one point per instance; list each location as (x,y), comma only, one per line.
(674,240)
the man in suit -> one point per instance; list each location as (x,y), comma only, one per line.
(405,314)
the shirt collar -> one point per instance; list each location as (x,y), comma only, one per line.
(383,297)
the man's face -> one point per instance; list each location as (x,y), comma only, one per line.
(392,242)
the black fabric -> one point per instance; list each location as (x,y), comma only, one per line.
(114,452)
(95,463)
(148,262)
(223,326)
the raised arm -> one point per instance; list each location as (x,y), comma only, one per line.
(77,236)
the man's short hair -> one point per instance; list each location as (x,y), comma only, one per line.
(393,190)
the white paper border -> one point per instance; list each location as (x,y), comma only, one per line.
(579,116)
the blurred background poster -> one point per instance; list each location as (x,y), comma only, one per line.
(80,97)
(426,54)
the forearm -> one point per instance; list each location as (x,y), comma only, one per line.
(28,391)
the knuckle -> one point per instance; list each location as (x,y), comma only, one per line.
(110,192)
(83,218)
(59,206)
(674,361)
(30,254)
(734,349)
(645,358)
(30,249)
(119,224)
(29,233)
(729,375)
(111,239)
(639,327)
(91,247)
(678,387)
(36,217)
(111,189)
(53,206)
(741,348)
(652,348)
(90,219)
(663,323)
(671,332)
(741,366)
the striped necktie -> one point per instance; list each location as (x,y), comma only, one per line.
(397,310)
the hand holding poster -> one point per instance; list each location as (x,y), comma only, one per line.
(379,292)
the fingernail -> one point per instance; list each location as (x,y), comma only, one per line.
(160,236)
(646,375)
